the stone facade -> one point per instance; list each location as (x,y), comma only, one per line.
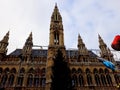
(30,69)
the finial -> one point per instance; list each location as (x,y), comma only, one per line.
(99,35)
(8,32)
(30,33)
(55,4)
(30,36)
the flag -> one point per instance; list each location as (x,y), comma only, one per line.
(107,63)
(116,43)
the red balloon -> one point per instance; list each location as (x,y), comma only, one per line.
(116,43)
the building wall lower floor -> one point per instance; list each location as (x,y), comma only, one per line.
(76,88)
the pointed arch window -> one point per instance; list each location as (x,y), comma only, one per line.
(11,80)
(22,70)
(30,80)
(3,80)
(81,80)
(20,80)
(43,80)
(36,81)
(106,71)
(95,71)
(97,80)
(73,70)
(6,70)
(89,79)
(117,78)
(79,71)
(56,38)
(101,71)
(87,71)
(43,71)
(109,80)
(103,79)
(74,81)
(13,70)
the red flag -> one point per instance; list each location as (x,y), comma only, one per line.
(116,43)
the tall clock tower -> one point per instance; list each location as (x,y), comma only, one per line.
(56,41)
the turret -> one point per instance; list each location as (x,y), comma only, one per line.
(27,48)
(3,45)
(81,46)
(82,51)
(104,50)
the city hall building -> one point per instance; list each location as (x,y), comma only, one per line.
(31,69)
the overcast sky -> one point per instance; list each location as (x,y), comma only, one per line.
(86,17)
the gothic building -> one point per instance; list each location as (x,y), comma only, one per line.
(30,69)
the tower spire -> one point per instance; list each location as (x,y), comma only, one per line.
(56,41)
(56,29)
(81,46)
(104,50)
(27,48)
(3,45)
(6,38)
(56,14)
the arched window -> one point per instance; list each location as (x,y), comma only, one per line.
(20,80)
(109,80)
(56,38)
(43,80)
(106,71)
(101,70)
(103,79)
(30,80)
(6,70)
(36,81)
(13,70)
(97,80)
(38,71)
(22,70)
(89,79)
(87,71)
(4,79)
(95,71)
(74,81)
(117,78)
(79,71)
(31,70)
(43,72)
(81,80)
(73,70)
(11,80)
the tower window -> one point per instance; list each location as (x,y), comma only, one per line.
(56,38)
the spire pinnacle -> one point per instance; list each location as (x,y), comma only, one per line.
(56,15)
(6,38)
(81,46)
(101,40)
(79,36)
(29,39)
(4,43)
